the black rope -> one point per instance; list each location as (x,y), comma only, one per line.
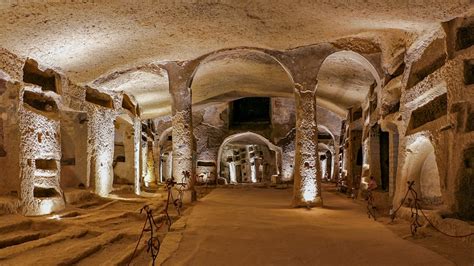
(415,209)
(153,243)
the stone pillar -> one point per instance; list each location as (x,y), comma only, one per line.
(101,134)
(150,178)
(39,152)
(136,135)
(307,183)
(182,134)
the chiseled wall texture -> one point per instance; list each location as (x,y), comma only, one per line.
(40,140)
(450,134)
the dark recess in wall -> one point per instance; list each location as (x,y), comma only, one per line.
(45,79)
(250,111)
(465,37)
(429,112)
(41,192)
(469,72)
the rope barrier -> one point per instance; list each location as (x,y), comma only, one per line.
(370,205)
(415,209)
(153,243)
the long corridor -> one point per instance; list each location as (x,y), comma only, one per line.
(257,227)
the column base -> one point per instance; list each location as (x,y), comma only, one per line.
(189,196)
(298,203)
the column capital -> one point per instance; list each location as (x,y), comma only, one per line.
(180,74)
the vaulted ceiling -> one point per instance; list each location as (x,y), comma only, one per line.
(90,40)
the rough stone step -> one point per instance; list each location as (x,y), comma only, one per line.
(13,222)
(69,233)
(124,258)
(116,253)
(73,254)
(19,238)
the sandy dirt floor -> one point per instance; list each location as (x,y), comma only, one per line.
(255,226)
(93,231)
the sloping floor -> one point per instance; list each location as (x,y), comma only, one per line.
(94,231)
(255,226)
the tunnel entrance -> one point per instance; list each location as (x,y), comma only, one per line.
(247,163)
(248,158)
(421,166)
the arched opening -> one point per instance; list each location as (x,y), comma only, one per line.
(326,157)
(232,74)
(248,158)
(346,79)
(243,81)
(421,167)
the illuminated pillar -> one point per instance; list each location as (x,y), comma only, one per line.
(101,132)
(307,183)
(137,137)
(150,178)
(182,134)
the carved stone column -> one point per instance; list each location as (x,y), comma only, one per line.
(307,182)
(182,134)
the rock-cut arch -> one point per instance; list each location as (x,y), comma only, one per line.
(253,138)
(231,74)
(345,79)
(421,167)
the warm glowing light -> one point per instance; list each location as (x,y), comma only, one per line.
(55,217)
(309,194)
(46,206)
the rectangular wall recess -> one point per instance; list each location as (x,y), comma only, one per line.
(99,98)
(429,112)
(45,79)
(46,164)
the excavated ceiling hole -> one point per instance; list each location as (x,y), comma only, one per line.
(45,79)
